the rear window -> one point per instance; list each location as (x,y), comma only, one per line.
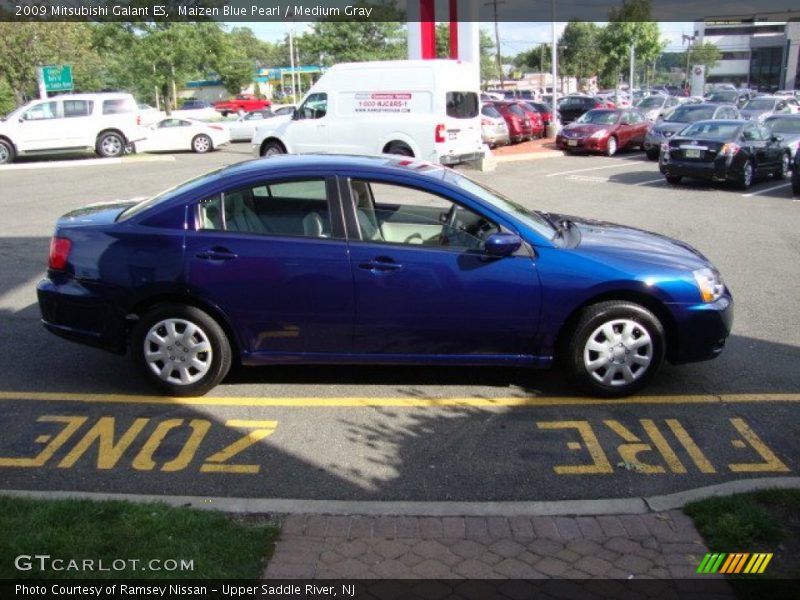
(462,105)
(118,106)
(515,109)
(490,111)
(711,130)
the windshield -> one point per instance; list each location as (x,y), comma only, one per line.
(711,130)
(652,102)
(723,97)
(599,117)
(690,114)
(760,104)
(167,194)
(783,125)
(531,218)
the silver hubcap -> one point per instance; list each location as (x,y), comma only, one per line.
(618,352)
(272,151)
(3,154)
(202,144)
(748,174)
(111,145)
(612,146)
(784,165)
(177,351)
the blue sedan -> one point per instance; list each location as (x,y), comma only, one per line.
(332,259)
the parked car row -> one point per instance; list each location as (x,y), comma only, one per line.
(513,121)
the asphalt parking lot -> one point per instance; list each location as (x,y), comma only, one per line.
(75,418)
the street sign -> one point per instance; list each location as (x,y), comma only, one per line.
(57,78)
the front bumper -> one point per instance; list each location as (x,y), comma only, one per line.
(586,144)
(702,329)
(77,312)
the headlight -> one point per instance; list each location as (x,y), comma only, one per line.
(599,133)
(710,284)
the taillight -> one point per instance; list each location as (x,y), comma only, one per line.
(485,122)
(439,133)
(138,119)
(730,149)
(59,253)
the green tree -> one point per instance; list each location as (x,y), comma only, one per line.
(579,49)
(629,25)
(536,59)
(706,54)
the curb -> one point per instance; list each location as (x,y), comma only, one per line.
(89,162)
(504,158)
(611,506)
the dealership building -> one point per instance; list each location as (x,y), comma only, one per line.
(756,54)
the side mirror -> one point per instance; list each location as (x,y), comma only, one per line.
(295,114)
(502,244)
(776,138)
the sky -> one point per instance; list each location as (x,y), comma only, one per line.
(514,37)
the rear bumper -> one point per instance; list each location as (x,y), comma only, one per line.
(717,170)
(702,330)
(75,311)
(454,159)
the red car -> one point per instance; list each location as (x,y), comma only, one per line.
(242,102)
(604,130)
(537,123)
(544,111)
(519,124)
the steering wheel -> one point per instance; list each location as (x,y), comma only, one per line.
(449,226)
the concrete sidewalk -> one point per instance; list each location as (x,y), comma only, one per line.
(631,546)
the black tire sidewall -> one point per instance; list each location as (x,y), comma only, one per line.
(591,319)
(269,145)
(11,153)
(220,347)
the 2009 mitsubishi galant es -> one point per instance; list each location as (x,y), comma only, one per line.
(335,259)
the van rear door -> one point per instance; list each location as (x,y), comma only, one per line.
(460,134)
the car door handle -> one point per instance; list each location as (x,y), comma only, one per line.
(381,264)
(216,253)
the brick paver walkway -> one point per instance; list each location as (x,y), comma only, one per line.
(653,545)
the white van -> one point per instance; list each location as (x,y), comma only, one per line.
(103,122)
(428,109)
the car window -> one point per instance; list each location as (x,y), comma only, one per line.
(516,109)
(118,106)
(45,110)
(396,214)
(315,107)
(490,111)
(751,134)
(168,123)
(783,125)
(291,208)
(77,108)
(599,117)
(462,105)
(710,130)
(253,116)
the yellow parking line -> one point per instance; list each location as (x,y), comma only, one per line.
(344,402)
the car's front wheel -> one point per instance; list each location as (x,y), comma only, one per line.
(745,179)
(272,148)
(616,348)
(181,349)
(785,168)
(611,146)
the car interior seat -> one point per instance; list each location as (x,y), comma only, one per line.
(239,214)
(365,212)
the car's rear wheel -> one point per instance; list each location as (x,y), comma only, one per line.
(6,152)
(611,146)
(272,148)
(652,154)
(674,179)
(202,144)
(181,349)
(110,144)
(616,348)
(785,168)
(745,179)
(400,149)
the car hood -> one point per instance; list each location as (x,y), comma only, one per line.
(585,128)
(606,240)
(97,214)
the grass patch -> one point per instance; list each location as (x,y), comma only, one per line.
(762,521)
(221,546)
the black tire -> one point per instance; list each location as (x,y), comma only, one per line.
(272,148)
(401,150)
(217,362)
(796,186)
(785,169)
(622,353)
(7,153)
(652,154)
(201,144)
(674,179)
(744,181)
(110,144)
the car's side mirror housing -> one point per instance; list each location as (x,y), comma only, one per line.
(502,244)
(776,138)
(295,114)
